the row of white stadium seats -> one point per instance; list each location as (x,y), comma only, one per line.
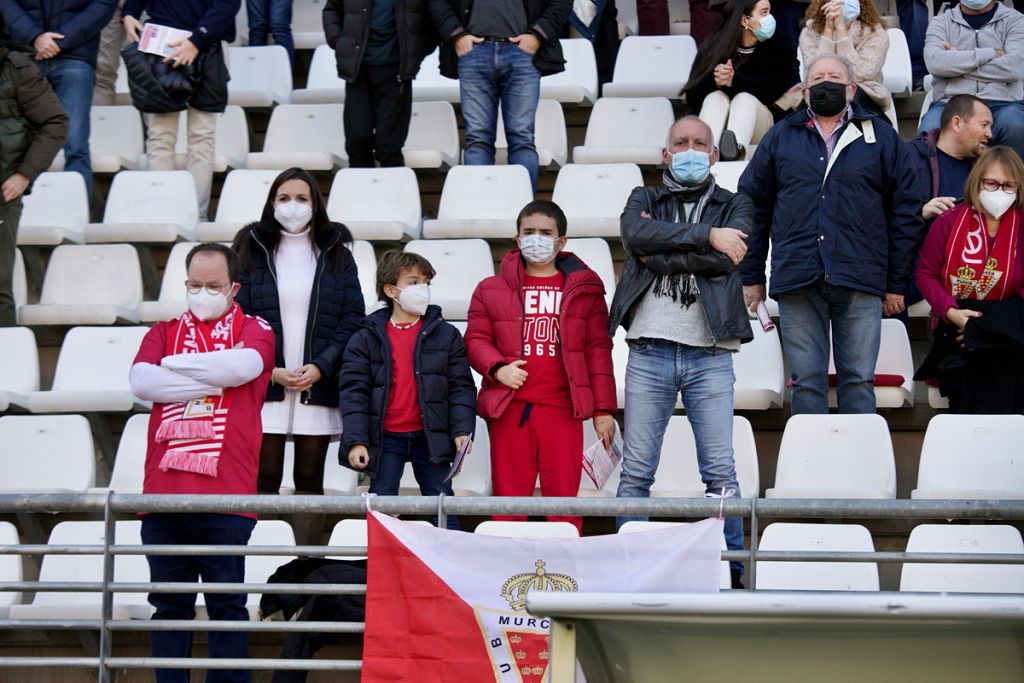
(832,576)
(820,456)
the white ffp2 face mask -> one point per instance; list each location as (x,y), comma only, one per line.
(537,249)
(996,202)
(293,216)
(206,306)
(414,299)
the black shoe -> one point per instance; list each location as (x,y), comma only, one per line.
(728,148)
(737,579)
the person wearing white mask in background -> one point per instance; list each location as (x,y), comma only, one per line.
(206,374)
(537,333)
(971,271)
(739,73)
(298,273)
(407,394)
(680,301)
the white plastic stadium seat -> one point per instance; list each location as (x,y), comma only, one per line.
(92,372)
(678,475)
(760,371)
(593,196)
(56,211)
(652,66)
(116,139)
(578,83)
(430,86)
(460,325)
(148,206)
(895,360)
(310,136)
(527,529)
(460,266)
(338,480)
(10,568)
(89,568)
(19,283)
(549,133)
(307,24)
(972,457)
(964,578)
(323,85)
(475,477)
(433,140)
(260,76)
(377,203)
(936,400)
(232,140)
(638,526)
(835,456)
(241,202)
(926,104)
(122,95)
(258,568)
(352,532)
(727,174)
(480,201)
(46,454)
(626,130)
(19,367)
(620,357)
(897,75)
(171,302)
(366,264)
(820,576)
(130,461)
(88,285)
(595,253)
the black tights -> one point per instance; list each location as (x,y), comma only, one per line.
(310,455)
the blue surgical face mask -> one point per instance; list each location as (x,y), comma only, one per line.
(691,167)
(851,10)
(767,28)
(975,4)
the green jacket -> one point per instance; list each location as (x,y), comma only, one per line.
(33,125)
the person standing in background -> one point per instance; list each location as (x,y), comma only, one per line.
(108,59)
(273,18)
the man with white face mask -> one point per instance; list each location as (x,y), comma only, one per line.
(206,374)
(536,333)
(680,302)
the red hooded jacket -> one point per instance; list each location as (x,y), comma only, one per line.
(494,335)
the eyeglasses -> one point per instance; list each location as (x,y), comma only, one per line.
(212,290)
(989,185)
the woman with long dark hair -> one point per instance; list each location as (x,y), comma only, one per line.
(299,275)
(738,74)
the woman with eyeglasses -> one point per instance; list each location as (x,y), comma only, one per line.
(971,271)
(739,72)
(298,274)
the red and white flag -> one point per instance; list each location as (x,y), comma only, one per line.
(451,606)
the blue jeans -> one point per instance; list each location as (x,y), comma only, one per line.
(492,74)
(657,371)
(198,529)
(856,319)
(1007,122)
(400,448)
(914,24)
(73,81)
(273,17)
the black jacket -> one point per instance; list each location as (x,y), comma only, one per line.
(347,28)
(447,395)
(158,88)
(546,19)
(675,247)
(335,309)
(79,21)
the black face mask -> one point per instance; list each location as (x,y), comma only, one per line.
(827,98)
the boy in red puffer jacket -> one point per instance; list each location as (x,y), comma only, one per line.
(537,333)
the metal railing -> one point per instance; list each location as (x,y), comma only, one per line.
(110,505)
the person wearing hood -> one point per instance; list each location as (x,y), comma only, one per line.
(681,303)
(298,274)
(537,333)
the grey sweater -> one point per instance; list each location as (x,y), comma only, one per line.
(973,67)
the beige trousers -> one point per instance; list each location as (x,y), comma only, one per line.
(162,136)
(108,59)
(744,115)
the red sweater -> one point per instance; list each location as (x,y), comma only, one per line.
(495,335)
(403,412)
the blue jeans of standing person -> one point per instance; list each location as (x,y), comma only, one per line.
(658,371)
(495,74)
(73,80)
(913,16)
(271,17)
(400,448)
(198,529)
(805,315)
(1007,122)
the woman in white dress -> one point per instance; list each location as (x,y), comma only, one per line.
(299,275)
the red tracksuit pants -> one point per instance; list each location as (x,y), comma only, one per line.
(530,439)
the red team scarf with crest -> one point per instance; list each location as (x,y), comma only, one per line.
(978,266)
(194,430)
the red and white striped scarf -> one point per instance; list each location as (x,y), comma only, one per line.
(194,430)
(978,266)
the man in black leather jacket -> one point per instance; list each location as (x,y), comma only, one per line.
(680,300)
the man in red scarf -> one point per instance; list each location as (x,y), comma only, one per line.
(207,374)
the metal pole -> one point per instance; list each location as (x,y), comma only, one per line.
(752,575)
(107,603)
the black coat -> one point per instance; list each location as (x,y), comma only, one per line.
(335,309)
(347,28)
(79,21)
(447,395)
(546,19)
(158,88)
